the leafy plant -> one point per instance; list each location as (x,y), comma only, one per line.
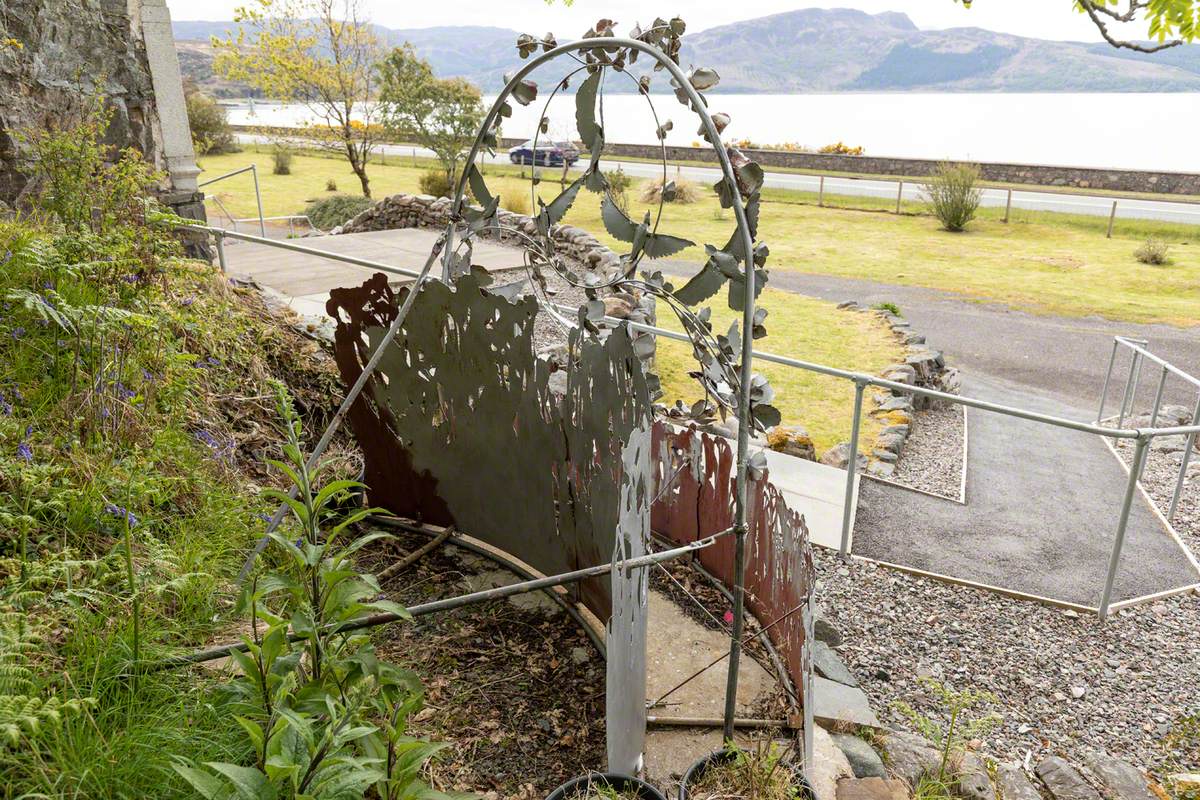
(759,772)
(330,185)
(618,188)
(211,134)
(329,212)
(282,154)
(955,724)
(680,191)
(842,149)
(325,717)
(435,183)
(25,714)
(889,307)
(1153,251)
(953,195)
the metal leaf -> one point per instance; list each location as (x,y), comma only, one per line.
(703,78)
(585,110)
(664,129)
(615,222)
(478,185)
(525,91)
(661,245)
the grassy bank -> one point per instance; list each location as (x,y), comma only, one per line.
(1041,261)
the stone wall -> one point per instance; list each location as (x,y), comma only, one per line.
(1112,180)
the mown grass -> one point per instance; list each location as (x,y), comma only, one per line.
(1042,262)
(803,328)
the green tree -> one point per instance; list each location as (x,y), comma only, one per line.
(441,114)
(1170,23)
(321,53)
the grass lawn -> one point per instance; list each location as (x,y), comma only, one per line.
(1041,262)
(801,327)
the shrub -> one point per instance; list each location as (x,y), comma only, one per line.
(685,192)
(952,194)
(889,307)
(330,185)
(516,202)
(1154,251)
(281,159)
(840,148)
(618,188)
(211,134)
(330,212)
(436,183)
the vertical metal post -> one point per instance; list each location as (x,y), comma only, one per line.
(821,193)
(851,468)
(899,196)
(1135,369)
(1107,379)
(1114,561)
(1183,467)
(1158,396)
(1008,207)
(220,242)
(1112,218)
(262,224)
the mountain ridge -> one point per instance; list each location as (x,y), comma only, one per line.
(805,50)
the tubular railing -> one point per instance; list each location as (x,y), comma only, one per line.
(253,170)
(1140,355)
(1142,437)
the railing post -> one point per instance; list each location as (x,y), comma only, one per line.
(1114,561)
(852,467)
(1135,372)
(1183,467)
(1112,218)
(1008,207)
(262,224)
(899,196)
(1107,379)
(821,193)
(220,242)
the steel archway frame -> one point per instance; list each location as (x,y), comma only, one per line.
(700,108)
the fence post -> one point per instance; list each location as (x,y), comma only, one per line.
(821,193)
(262,224)
(1008,207)
(1112,218)
(899,196)
(1107,378)
(220,242)
(1114,561)
(1183,467)
(851,467)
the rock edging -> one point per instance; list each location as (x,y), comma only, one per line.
(923,367)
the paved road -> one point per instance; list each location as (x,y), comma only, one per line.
(864,187)
(1059,357)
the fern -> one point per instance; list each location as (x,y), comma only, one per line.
(24,712)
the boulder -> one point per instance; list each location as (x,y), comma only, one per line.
(1063,782)
(909,756)
(864,761)
(1119,780)
(829,664)
(1014,784)
(871,789)
(838,457)
(974,783)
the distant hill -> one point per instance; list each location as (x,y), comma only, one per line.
(809,50)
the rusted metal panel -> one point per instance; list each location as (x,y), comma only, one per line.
(694,491)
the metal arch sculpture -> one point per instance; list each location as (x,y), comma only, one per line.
(747,394)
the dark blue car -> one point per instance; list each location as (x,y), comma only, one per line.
(549,154)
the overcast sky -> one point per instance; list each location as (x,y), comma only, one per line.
(1046,19)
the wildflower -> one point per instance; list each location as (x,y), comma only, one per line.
(23,452)
(48,285)
(5,406)
(121,513)
(187,301)
(18,332)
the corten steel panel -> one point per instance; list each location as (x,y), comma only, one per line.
(459,425)
(695,485)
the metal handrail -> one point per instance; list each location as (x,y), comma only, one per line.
(253,170)
(1140,436)
(1139,347)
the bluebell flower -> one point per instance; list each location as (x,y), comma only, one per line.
(18,332)
(48,285)
(23,452)
(187,301)
(5,406)
(121,513)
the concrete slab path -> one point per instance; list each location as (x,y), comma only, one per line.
(1040,517)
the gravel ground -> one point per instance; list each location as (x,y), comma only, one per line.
(1159,478)
(1064,683)
(547,331)
(932,458)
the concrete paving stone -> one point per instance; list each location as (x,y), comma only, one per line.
(841,707)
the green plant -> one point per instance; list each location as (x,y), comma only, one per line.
(211,133)
(889,307)
(680,191)
(759,772)
(1181,751)
(955,724)
(281,158)
(516,202)
(952,194)
(329,212)
(841,149)
(325,717)
(25,714)
(436,183)
(1153,251)
(618,188)
(330,185)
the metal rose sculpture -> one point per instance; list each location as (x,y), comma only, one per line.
(723,359)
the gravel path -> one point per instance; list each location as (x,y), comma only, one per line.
(932,458)
(1065,683)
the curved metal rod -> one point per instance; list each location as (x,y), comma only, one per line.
(697,105)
